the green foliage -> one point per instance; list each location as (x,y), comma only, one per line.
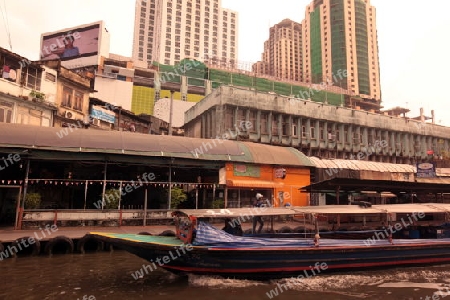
(32,200)
(37,95)
(218,203)
(112,198)
(177,196)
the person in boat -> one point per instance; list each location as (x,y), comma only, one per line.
(258,219)
(233,227)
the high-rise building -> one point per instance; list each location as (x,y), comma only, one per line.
(336,44)
(282,56)
(341,36)
(166,31)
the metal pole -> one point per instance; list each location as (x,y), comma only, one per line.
(170,112)
(16,225)
(170,186)
(145,206)
(239,198)
(85,194)
(25,189)
(104,184)
(120,193)
(225,196)
(196,198)
(214,192)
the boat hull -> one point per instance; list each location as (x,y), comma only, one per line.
(279,262)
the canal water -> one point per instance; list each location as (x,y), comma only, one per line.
(107,275)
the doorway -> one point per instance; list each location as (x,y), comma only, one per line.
(9,208)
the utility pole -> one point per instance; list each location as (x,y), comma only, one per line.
(171,112)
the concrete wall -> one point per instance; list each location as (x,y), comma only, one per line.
(404,137)
(116,92)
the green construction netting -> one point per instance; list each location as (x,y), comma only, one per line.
(316,47)
(362,44)
(338,43)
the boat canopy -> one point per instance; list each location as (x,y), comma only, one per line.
(318,210)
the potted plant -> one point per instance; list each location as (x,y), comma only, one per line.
(35,95)
(32,200)
(218,203)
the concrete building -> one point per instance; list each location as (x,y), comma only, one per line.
(166,31)
(72,96)
(27,91)
(282,56)
(114,80)
(317,129)
(105,116)
(339,36)
(163,109)
(336,45)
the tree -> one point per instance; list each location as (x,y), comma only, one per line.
(33,200)
(112,197)
(178,196)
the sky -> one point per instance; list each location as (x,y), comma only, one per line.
(413,39)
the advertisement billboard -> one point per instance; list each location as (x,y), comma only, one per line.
(75,47)
(97,112)
(426,170)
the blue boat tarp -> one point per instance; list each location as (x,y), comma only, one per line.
(208,235)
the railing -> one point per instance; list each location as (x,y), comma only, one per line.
(91,217)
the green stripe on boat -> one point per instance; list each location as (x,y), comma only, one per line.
(154,239)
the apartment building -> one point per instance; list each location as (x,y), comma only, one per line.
(166,31)
(27,91)
(341,35)
(336,38)
(282,56)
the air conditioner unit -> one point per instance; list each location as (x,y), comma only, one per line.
(68,115)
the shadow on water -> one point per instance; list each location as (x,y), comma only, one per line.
(107,275)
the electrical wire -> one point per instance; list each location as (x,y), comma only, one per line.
(5,20)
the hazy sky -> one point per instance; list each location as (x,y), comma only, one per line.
(413,38)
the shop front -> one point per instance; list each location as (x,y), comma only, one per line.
(279,185)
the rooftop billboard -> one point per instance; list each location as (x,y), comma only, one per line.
(75,47)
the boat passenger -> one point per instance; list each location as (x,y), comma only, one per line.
(258,219)
(233,228)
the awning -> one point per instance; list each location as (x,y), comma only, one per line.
(376,194)
(423,185)
(437,180)
(253,183)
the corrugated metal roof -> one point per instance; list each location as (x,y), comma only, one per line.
(443,172)
(361,165)
(127,143)
(434,180)
(276,155)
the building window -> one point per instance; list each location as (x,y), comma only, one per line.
(34,79)
(321,131)
(304,133)
(285,126)
(275,125)
(229,117)
(78,103)
(72,99)
(67,97)
(50,77)
(6,109)
(263,122)
(313,133)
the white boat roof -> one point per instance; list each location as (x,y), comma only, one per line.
(323,209)
(238,212)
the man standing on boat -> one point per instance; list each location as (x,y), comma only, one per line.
(258,219)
